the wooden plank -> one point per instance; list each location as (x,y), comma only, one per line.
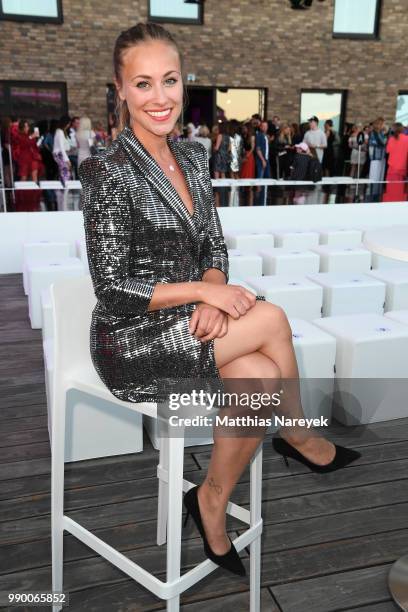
(335,592)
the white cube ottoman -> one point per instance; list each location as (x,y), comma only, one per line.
(398,315)
(298,296)
(44,250)
(40,276)
(340,237)
(371,367)
(316,356)
(242,264)
(47,322)
(293,239)
(396,281)
(81,253)
(248,240)
(379,262)
(233,280)
(289,261)
(348,293)
(343,259)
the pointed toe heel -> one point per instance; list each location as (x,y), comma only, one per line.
(231,560)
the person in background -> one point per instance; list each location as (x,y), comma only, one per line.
(256,122)
(297,136)
(248,159)
(315,138)
(236,146)
(86,139)
(101,137)
(113,130)
(376,150)
(176,133)
(397,149)
(285,151)
(60,150)
(26,153)
(203,136)
(73,151)
(276,122)
(221,152)
(263,169)
(300,165)
(358,150)
(330,153)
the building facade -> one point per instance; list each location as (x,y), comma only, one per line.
(253,44)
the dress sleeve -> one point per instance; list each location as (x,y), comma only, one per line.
(108,224)
(214,252)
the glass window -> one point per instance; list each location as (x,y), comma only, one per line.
(175,11)
(31,10)
(402,108)
(356,19)
(33,101)
(325,105)
(239,104)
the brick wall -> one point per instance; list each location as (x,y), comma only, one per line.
(251,43)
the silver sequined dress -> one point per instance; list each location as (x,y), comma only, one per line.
(139,233)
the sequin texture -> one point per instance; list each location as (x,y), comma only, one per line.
(138,233)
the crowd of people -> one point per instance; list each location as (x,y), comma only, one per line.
(256,148)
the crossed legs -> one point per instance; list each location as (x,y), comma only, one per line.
(258,345)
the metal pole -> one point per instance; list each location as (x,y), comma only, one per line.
(2,183)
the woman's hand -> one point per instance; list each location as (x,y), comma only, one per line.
(208,322)
(232,299)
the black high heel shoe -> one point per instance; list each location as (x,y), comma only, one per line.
(343,456)
(230,560)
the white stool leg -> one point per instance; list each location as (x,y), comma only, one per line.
(175,499)
(163,491)
(255,546)
(57,495)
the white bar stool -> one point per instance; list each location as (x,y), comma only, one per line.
(289,261)
(343,259)
(297,295)
(396,281)
(44,250)
(73,301)
(244,264)
(346,293)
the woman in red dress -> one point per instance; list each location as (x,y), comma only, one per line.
(248,163)
(29,166)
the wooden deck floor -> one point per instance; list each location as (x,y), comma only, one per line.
(329,539)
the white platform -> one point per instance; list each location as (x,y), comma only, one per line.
(398,315)
(371,356)
(248,240)
(340,237)
(297,296)
(346,293)
(379,262)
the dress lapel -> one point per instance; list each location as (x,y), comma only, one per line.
(158,179)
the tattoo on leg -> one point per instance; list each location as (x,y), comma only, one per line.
(214,486)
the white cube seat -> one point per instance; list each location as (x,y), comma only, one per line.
(44,250)
(371,354)
(46,314)
(289,261)
(248,240)
(315,352)
(396,281)
(81,253)
(343,259)
(233,280)
(379,262)
(347,293)
(340,236)
(294,239)
(242,264)
(398,315)
(298,296)
(40,276)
